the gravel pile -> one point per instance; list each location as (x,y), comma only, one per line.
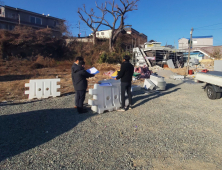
(179,128)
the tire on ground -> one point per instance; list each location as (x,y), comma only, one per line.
(218,96)
(211,93)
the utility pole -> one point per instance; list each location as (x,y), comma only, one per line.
(188,61)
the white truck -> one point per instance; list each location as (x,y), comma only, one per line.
(213,80)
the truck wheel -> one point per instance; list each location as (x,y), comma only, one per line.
(218,96)
(211,94)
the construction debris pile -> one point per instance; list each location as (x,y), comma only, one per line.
(142,72)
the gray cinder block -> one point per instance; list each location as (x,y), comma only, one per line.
(148,84)
(170,63)
(217,65)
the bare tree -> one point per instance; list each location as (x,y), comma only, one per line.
(217,53)
(92,19)
(118,12)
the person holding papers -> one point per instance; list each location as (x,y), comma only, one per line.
(125,74)
(80,75)
(75,64)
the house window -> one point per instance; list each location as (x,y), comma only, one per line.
(32,20)
(102,33)
(38,21)
(97,33)
(35,20)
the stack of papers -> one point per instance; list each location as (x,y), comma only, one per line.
(92,70)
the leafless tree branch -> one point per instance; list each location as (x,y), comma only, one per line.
(92,17)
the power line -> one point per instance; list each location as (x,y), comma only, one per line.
(208,25)
(211,29)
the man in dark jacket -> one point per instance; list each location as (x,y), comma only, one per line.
(79,76)
(125,74)
(73,68)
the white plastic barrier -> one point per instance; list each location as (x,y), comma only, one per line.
(106,97)
(42,88)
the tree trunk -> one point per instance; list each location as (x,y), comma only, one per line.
(111,45)
(112,41)
(94,38)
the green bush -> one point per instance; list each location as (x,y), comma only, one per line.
(103,58)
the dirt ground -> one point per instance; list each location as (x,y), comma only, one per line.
(175,129)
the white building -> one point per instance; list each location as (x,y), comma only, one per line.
(140,37)
(197,41)
(104,34)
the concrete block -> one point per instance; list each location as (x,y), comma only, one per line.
(165,73)
(170,63)
(42,88)
(177,77)
(217,65)
(159,82)
(148,84)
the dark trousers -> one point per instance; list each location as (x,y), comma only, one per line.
(126,87)
(76,100)
(80,97)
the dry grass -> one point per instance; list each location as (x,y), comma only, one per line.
(180,71)
(14,74)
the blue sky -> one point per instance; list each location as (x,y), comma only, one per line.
(162,20)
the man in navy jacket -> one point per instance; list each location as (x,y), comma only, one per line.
(75,64)
(80,83)
(125,74)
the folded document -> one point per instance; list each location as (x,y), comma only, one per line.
(114,75)
(92,70)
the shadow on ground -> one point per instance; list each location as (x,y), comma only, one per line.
(67,94)
(24,131)
(171,85)
(149,96)
(152,94)
(14,77)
